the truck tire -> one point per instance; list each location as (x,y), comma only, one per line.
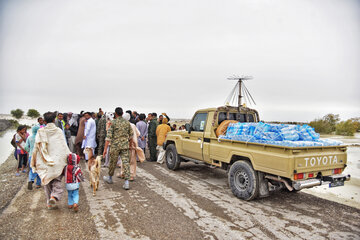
(172,158)
(243,180)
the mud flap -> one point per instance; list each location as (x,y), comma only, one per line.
(263,185)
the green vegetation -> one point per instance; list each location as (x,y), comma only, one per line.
(356,122)
(331,123)
(14,123)
(33,113)
(327,124)
(18,113)
(346,128)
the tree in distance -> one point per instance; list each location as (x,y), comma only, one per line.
(356,122)
(346,128)
(33,113)
(17,113)
(327,124)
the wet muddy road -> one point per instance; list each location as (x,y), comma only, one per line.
(193,202)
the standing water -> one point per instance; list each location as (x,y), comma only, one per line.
(348,194)
(5,147)
(5,138)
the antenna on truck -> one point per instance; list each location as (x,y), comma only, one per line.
(240,90)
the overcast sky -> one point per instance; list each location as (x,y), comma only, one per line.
(174,56)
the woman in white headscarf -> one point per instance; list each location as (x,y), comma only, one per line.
(73,122)
(135,150)
(109,118)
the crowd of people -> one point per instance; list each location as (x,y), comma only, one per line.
(60,140)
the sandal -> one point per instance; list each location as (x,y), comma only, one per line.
(76,207)
(121,176)
(49,207)
(52,202)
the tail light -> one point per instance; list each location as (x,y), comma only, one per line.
(298,176)
(337,171)
(310,175)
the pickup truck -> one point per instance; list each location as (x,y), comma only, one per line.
(253,169)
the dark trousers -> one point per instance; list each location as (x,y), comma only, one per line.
(22,160)
(152,148)
(79,150)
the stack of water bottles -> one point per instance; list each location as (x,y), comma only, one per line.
(277,134)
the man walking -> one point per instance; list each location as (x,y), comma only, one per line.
(80,135)
(59,122)
(152,137)
(101,133)
(49,159)
(119,134)
(89,141)
(161,132)
(142,127)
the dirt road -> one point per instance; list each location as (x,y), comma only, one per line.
(191,203)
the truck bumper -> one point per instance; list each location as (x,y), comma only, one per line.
(333,181)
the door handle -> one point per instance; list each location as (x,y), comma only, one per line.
(187,137)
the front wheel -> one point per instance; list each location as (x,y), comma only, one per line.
(172,158)
(243,180)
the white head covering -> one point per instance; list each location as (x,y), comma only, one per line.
(73,120)
(126,116)
(109,116)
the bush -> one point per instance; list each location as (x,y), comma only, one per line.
(321,126)
(18,113)
(33,113)
(14,123)
(327,124)
(356,122)
(332,120)
(346,128)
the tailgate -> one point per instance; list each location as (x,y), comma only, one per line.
(320,160)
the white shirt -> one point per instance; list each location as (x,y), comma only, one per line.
(90,133)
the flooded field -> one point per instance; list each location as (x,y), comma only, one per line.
(349,194)
(353,152)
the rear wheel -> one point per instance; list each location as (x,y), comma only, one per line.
(243,180)
(172,158)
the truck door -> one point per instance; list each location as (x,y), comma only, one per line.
(193,141)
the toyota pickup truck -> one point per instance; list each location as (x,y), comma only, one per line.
(253,169)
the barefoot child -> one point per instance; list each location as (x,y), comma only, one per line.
(73,177)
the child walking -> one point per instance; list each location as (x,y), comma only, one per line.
(29,147)
(73,177)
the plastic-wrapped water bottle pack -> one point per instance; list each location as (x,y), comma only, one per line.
(277,134)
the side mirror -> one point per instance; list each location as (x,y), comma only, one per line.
(188,127)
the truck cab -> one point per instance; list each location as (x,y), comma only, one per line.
(201,129)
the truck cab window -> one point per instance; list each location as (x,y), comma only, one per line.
(232,116)
(241,117)
(222,117)
(199,122)
(251,118)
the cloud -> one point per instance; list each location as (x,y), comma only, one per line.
(175,56)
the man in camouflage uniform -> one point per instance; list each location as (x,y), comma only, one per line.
(101,134)
(119,135)
(152,137)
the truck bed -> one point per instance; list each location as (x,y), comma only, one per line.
(281,160)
